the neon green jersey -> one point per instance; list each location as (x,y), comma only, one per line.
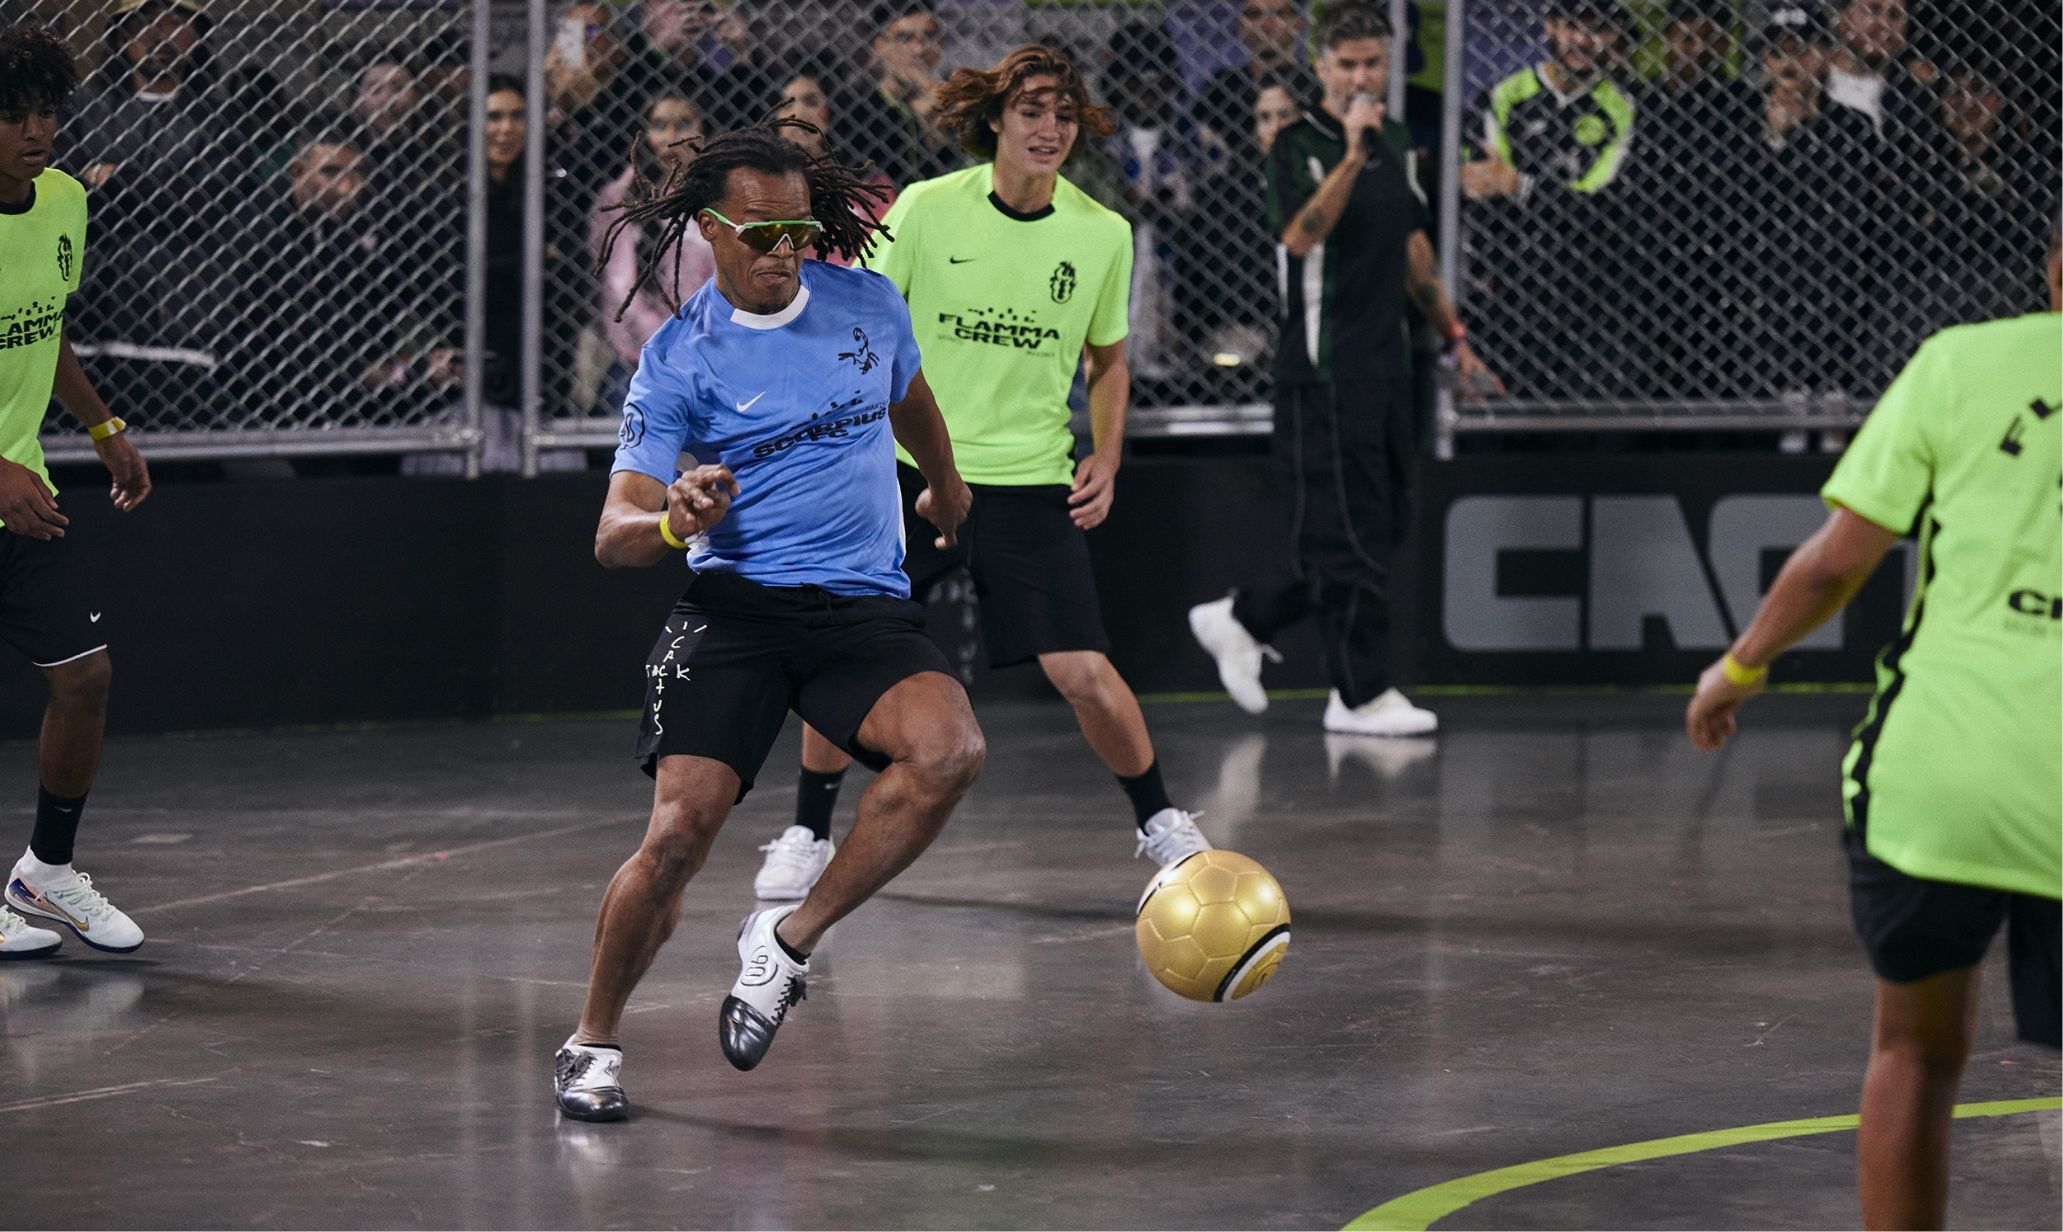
(42,245)
(1002,304)
(1957,770)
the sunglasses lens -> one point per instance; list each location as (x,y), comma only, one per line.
(767,236)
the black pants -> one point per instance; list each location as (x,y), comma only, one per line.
(1342,457)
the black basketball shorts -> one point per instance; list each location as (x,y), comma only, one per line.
(735,657)
(1030,565)
(1913,928)
(48,607)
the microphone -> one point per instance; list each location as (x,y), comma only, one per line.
(1371,138)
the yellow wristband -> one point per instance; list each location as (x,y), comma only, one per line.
(1738,674)
(107,428)
(666,532)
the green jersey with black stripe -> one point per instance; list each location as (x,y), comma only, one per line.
(1002,304)
(42,247)
(1957,770)
(1577,141)
(1343,300)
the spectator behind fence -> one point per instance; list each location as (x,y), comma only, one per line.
(894,124)
(597,78)
(332,310)
(674,126)
(1552,277)
(413,156)
(807,95)
(502,342)
(1687,190)
(1271,36)
(1229,293)
(153,138)
(1156,148)
(1886,146)
(2001,192)
(706,46)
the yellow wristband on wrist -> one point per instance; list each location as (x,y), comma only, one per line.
(1738,674)
(107,428)
(673,541)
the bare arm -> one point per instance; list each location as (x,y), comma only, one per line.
(1322,212)
(1816,582)
(75,389)
(921,429)
(1108,376)
(1422,283)
(629,531)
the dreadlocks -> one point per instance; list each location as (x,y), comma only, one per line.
(839,196)
(35,69)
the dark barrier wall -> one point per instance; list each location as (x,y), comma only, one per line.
(332,600)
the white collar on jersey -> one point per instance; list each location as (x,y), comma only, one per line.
(773,320)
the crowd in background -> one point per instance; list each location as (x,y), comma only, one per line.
(1689,199)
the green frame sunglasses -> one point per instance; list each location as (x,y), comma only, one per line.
(767,236)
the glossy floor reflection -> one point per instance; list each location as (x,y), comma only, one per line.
(1554,929)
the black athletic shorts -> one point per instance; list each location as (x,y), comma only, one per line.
(1914,928)
(736,657)
(48,609)
(1030,565)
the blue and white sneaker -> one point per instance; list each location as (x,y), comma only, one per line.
(767,988)
(70,899)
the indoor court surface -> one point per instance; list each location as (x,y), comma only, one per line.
(1555,929)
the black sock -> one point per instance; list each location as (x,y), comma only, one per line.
(1149,795)
(816,798)
(787,949)
(57,824)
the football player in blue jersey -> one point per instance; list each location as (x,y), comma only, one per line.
(786,384)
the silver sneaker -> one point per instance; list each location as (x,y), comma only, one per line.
(1239,656)
(1170,837)
(587,1082)
(767,988)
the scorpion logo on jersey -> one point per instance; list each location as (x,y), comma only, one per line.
(861,353)
(64,257)
(1061,284)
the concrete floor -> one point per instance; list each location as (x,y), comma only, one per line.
(1557,928)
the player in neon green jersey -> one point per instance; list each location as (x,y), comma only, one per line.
(47,608)
(1014,277)
(1952,786)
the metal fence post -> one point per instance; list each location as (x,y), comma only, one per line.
(476,233)
(533,231)
(1451,88)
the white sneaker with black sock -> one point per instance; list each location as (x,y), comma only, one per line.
(61,893)
(794,861)
(1170,837)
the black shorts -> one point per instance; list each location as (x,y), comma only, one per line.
(736,657)
(1913,928)
(48,608)
(1030,565)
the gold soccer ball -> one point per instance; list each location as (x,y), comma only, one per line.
(1213,927)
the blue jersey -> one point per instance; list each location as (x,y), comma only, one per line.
(796,404)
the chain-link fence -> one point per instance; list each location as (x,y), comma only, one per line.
(1731,214)
(372,225)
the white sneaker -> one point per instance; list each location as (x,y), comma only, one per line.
(71,900)
(1238,654)
(1170,837)
(19,939)
(587,1082)
(794,861)
(1388,715)
(767,988)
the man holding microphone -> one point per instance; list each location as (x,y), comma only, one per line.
(1351,220)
